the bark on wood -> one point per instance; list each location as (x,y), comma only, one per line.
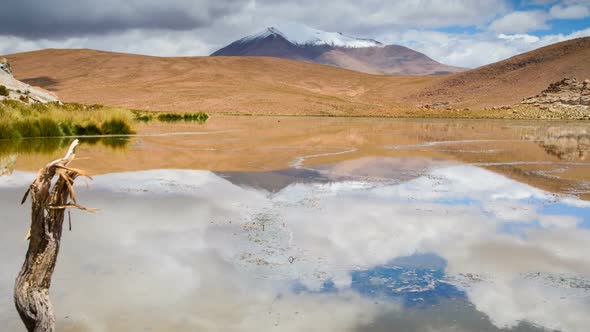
(51,194)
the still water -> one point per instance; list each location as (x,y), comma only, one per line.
(317,224)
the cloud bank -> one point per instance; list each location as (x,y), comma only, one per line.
(456,32)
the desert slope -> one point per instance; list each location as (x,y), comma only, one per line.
(386,60)
(267,85)
(509,81)
(211,84)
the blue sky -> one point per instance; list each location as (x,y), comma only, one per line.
(466,33)
(564,17)
(553,25)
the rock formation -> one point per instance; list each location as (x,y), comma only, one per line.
(566,97)
(5,66)
(17,90)
(568,91)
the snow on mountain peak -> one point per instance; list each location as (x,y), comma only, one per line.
(304,35)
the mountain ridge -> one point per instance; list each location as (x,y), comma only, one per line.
(314,37)
(335,49)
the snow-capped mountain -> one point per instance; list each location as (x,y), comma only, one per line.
(304,35)
(302,43)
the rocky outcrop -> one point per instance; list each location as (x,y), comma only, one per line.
(567,92)
(5,66)
(565,99)
(17,90)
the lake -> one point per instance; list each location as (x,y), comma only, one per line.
(316,224)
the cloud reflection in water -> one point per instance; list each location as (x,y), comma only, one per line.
(185,250)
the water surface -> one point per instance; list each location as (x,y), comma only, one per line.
(318,224)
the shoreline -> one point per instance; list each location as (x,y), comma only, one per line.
(408,116)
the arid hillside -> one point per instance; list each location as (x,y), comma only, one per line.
(265,85)
(211,84)
(507,82)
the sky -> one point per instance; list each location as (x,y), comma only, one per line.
(455,32)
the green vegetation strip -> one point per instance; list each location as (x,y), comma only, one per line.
(22,120)
(171,117)
(19,120)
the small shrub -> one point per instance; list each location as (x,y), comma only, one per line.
(116,127)
(8,131)
(142,117)
(200,117)
(28,127)
(67,128)
(49,128)
(11,103)
(4,91)
(87,129)
(170,117)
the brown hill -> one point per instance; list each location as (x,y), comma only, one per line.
(388,60)
(211,84)
(266,85)
(509,81)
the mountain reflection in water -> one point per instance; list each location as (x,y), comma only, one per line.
(370,244)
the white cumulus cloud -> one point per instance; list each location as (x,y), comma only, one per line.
(474,50)
(521,21)
(570,12)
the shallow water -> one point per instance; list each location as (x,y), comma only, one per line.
(318,224)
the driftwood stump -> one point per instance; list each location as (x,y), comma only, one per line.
(49,200)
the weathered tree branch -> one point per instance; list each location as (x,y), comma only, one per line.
(49,200)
